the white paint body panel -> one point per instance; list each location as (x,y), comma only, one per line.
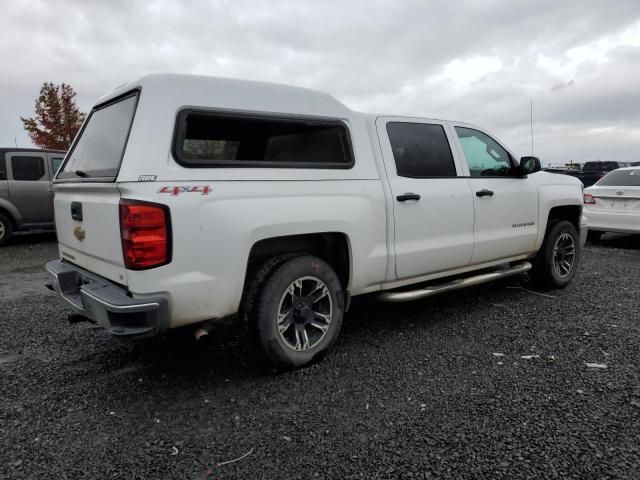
(390,244)
(101,250)
(555,191)
(213,236)
(498,231)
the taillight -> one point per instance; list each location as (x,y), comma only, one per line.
(588,199)
(145,229)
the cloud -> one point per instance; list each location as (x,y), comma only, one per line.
(463,73)
(475,60)
(560,86)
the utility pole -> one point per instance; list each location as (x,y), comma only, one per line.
(531,123)
(15,141)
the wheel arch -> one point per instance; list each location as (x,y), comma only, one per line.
(572,213)
(11,212)
(10,215)
(332,247)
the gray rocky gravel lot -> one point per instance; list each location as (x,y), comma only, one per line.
(490,382)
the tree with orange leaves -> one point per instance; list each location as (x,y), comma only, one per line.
(57,118)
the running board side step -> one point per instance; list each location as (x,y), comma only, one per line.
(408,296)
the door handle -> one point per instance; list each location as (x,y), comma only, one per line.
(408,196)
(76,211)
(484,193)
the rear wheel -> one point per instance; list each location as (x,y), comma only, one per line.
(557,261)
(6,230)
(298,313)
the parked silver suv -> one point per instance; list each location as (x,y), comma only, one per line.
(25,189)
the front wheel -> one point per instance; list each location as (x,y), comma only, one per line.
(298,312)
(555,264)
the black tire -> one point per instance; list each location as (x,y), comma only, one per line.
(287,295)
(255,281)
(594,235)
(6,230)
(549,270)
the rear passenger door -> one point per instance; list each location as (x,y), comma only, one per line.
(433,206)
(29,186)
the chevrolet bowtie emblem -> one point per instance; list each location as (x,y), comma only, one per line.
(79,233)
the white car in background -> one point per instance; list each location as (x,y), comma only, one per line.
(613,203)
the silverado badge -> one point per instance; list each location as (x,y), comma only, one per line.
(79,233)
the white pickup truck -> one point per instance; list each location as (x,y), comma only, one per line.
(186,199)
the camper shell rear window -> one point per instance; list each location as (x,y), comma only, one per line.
(97,152)
(215,139)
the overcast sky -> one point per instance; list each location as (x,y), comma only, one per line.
(479,61)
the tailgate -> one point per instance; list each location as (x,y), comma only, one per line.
(88,228)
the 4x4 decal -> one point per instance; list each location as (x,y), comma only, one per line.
(201,189)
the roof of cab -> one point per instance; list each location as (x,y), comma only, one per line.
(216,92)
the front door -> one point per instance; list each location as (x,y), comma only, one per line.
(506,205)
(29,186)
(432,205)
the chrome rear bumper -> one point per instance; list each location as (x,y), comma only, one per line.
(106,303)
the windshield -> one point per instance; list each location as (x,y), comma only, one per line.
(99,149)
(621,178)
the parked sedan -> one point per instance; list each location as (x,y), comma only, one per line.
(613,203)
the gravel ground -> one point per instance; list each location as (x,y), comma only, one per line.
(490,382)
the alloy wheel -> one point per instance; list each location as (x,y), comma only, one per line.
(304,313)
(564,255)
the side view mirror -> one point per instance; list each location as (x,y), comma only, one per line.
(530,165)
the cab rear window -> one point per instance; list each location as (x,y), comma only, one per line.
(207,139)
(98,150)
